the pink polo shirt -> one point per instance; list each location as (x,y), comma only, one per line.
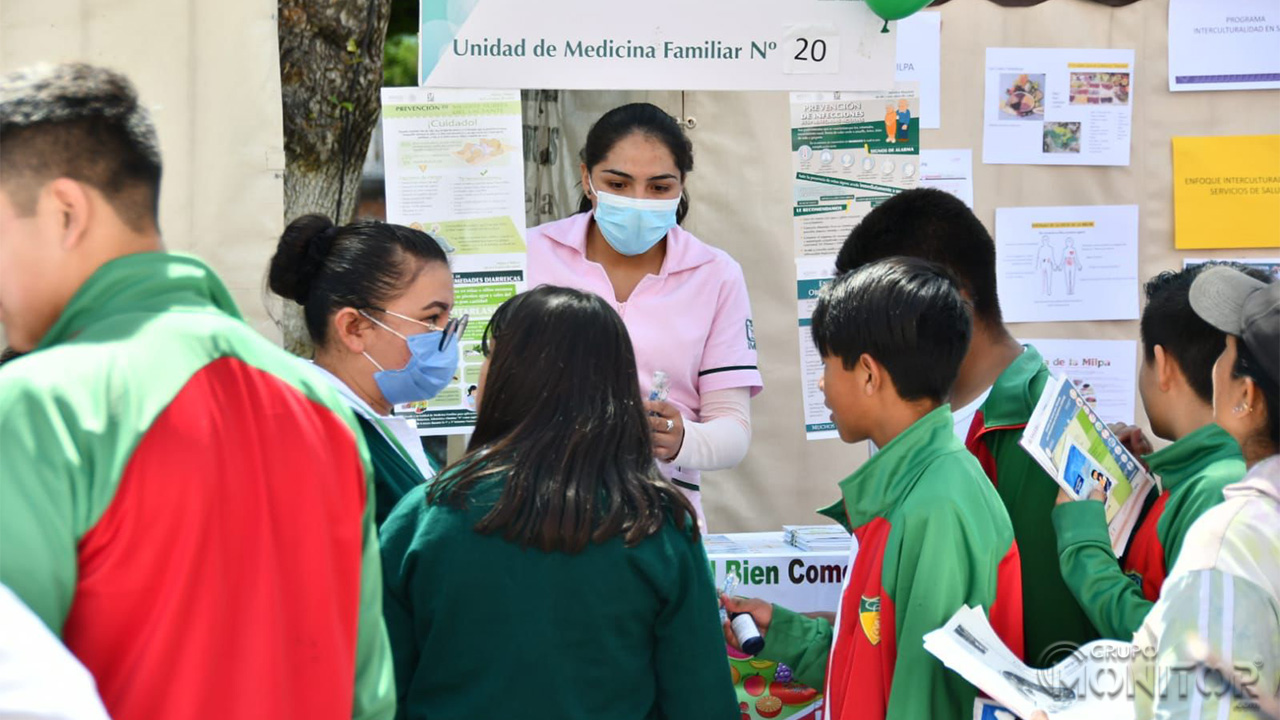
(692,320)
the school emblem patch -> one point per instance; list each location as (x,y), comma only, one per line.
(751,335)
(869,615)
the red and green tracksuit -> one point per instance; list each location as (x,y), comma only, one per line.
(1117,595)
(932,536)
(189,508)
(1053,623)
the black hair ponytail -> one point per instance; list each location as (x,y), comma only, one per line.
(325,267)
(644,118)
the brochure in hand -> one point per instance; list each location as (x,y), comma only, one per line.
(1073,444)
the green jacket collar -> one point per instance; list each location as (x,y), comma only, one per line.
(890,474)
(1191,454)
(143,283)
(1016,391)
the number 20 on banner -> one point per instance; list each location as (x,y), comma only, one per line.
(811,49)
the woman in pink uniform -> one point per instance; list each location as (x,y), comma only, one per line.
(684,302)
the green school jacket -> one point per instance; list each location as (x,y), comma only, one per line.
(394,473)
(1116,596)
(932,536)
(482,628)
(1053,622)
(189,508)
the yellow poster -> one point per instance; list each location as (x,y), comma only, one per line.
(1226,192)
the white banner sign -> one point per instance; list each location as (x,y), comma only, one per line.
(655,45)
(770,569)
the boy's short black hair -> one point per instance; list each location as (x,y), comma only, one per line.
(81,122)
(931,225)
(906,313)
(1169,321)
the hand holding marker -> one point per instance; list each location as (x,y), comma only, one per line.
(658,391)
(743,625)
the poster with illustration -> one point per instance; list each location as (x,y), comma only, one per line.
(1104,371)
(442,145)
(1058,264)
(850,151)
(1058,106)
(776,571)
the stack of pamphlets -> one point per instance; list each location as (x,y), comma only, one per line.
(1086,685)
(722,544)
(1074,445)
(817,538)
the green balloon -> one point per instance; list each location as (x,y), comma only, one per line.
(895,9)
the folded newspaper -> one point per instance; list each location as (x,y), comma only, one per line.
(1069,440)
(1088,685)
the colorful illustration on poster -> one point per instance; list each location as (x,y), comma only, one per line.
(1062,137)
(1023,97)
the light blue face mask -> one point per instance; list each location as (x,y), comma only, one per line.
(433,360)
(632,226)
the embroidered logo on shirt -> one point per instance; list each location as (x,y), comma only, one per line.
(869,615)
(751,335)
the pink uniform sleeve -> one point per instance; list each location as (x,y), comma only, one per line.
(729,359)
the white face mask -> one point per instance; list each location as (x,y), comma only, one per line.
(633,225)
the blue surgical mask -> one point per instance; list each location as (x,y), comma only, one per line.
(631,225)
(430,368)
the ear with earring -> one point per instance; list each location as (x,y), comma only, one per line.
(1242,409)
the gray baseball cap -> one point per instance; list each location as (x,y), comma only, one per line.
(1239,305)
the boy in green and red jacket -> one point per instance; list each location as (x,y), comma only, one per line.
(931,532)
(995,391)
(184,504)
(1176,384)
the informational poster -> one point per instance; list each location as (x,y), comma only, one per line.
(1224,45)
(654,45)
(1058,107)
(774,571)
(1104,371)
(812,274)
(1269,265)
(850,151)
(949,171)
(1058,264)
(920,61)
(771,569)
(1226,192)
(455,169)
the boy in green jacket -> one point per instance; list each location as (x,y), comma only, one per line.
(931,532)
(186,506)
(995,391)
(1176,384)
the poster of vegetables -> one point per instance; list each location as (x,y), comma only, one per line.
(767,690)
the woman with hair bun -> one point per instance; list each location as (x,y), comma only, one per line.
(376,299)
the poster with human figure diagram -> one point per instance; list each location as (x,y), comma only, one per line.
(1057,264)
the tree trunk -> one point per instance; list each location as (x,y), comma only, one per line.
(330,77)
